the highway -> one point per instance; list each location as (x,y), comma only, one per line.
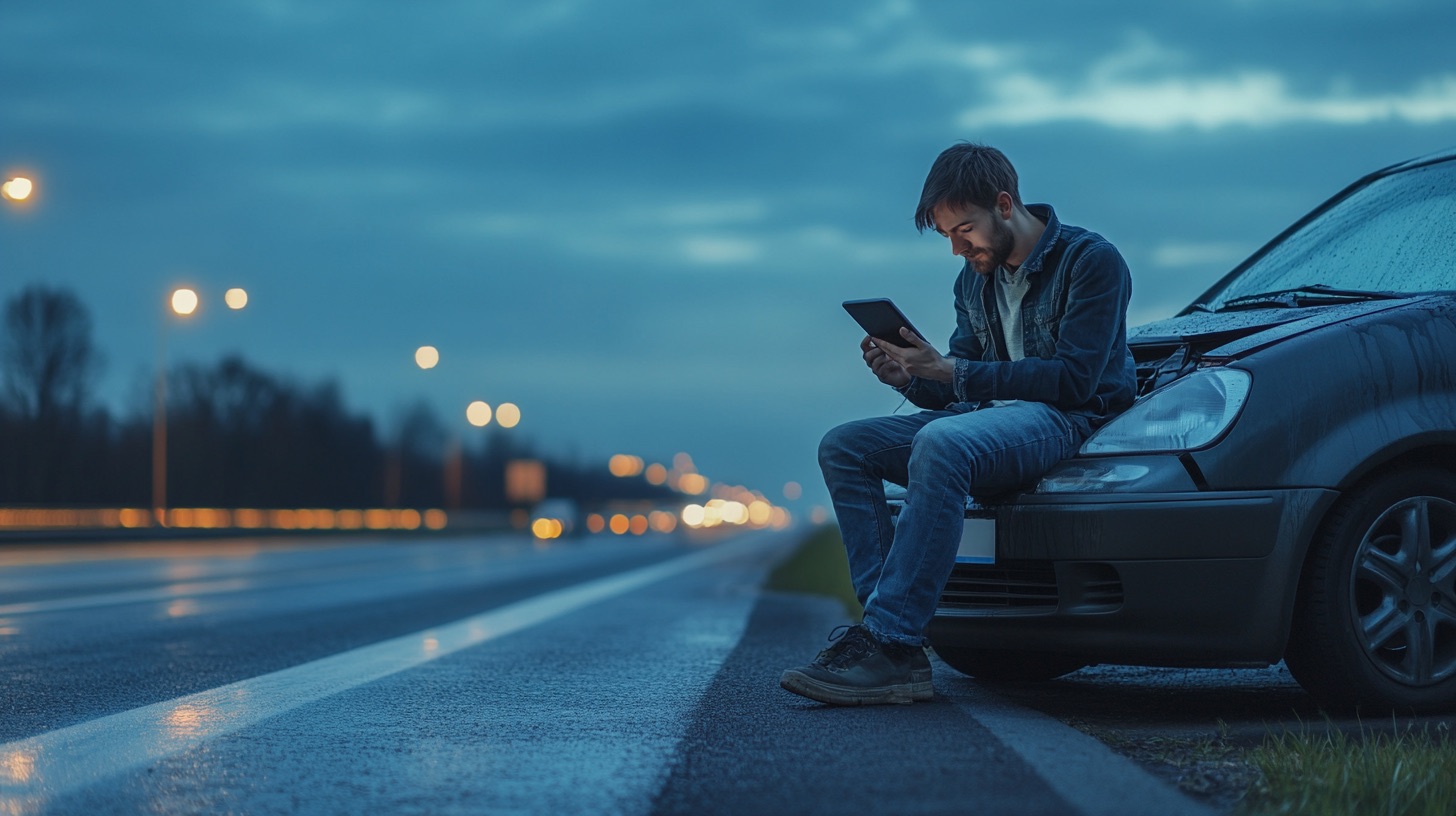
(485,674)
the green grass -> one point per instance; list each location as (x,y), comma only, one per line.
(818,567)
(1409,773)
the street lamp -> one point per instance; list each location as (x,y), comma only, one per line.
(17,188)
(183,302)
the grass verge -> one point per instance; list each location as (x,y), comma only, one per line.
(1315,771)
(818,567)
(1404,773)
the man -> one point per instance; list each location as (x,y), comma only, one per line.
(1039,358)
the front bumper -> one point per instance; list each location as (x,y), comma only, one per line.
(1153,579)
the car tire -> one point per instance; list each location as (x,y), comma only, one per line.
(1006,664)
(1375,618)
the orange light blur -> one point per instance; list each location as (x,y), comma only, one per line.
(547,528)
(819,514)
(793,490)
(692,484)
(596,523)
(656,474)
(216,518)
(637,524)
(620,524)
(779,518)
(249,519)
(662,522)
(132,517)
(623,465)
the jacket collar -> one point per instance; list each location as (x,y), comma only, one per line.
(1034,261)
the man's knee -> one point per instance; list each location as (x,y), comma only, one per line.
(838,445)
(943,445)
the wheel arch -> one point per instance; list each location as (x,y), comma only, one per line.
(1437,451)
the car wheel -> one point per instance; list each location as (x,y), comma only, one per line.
(1375,618)
(1006,664)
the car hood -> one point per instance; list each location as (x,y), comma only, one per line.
(1237,333)
(1170,349)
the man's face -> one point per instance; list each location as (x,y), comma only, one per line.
(980,236)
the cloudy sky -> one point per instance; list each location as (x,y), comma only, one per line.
(636,220)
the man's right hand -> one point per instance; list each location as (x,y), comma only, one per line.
(888,371)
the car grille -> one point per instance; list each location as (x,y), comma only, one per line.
(1032,585)
(982,587)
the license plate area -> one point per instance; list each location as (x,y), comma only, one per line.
(978,541)
(978,537)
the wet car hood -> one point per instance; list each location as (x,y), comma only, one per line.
(1236,333)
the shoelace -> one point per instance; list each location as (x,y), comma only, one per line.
(854,644)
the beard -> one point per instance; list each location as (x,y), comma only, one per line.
(985,261)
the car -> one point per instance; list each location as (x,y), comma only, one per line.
(1283,487)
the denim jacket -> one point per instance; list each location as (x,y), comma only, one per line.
(1074,321)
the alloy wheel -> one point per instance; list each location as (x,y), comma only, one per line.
(1403,591)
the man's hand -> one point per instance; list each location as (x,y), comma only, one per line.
(890,372)
(918,360)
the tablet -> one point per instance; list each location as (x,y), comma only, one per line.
(881,320)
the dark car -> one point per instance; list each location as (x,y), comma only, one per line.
(1284,486)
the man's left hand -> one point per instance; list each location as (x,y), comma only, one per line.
(919,359)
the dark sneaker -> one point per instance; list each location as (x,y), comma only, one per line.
(860,670)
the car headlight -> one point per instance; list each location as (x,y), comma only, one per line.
(1185,414)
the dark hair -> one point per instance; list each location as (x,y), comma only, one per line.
(965,173)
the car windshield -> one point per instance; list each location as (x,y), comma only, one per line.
(1395,235)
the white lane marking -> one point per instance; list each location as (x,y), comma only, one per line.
(38,769)
(1079,768)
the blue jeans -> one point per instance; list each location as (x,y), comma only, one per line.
(940,457)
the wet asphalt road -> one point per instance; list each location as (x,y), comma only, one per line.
(482,675)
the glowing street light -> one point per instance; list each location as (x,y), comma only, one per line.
(478,413)
(182,302)
(508,415)
(428,357)
(18,188)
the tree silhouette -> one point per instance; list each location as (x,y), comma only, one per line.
(49,364)
(241,437)
(49,358)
